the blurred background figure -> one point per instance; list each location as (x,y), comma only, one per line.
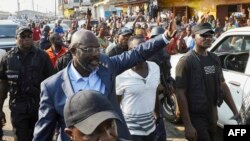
(36,34)
(45,43)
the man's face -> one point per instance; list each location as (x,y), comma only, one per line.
(188,30)
(87,57)
(204,40)
(103,31)
(104,132)
(123,40)
(248,22)
(25,39)
(58,41)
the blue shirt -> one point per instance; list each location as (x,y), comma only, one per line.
(59,30)
(93,82)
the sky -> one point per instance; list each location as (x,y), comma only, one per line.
(39,5)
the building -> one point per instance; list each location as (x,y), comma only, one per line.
(105,8)
(4,15)
(76,8)
(30,14)
(219,8)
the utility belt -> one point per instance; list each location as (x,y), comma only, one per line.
(24,100)
(19,92)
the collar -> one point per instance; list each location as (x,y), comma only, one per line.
(18,50)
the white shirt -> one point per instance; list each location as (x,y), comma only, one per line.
(139,95)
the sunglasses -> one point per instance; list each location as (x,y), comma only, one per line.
(206,35)
(91,50)
(25,36)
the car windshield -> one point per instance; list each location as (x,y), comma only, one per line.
(67,22)
(232,44)
(7,31)
(94,22)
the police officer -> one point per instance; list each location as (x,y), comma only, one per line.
(22,69)
(201,87)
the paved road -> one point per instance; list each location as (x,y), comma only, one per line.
(175,132)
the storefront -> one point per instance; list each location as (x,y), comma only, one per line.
(219,8)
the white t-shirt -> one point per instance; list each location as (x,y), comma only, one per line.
(138,102)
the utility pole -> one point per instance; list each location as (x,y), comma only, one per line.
(55,8)
(80,3)
(18,6)
(63,8)
(33,5)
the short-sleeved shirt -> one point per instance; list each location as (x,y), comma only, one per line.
(139,95)
(54,56)
(36,34)
(210,68)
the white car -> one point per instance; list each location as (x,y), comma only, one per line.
(233,48)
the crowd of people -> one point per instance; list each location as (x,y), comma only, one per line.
(101,82)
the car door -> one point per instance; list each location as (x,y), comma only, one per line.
(236,83)
(233,46)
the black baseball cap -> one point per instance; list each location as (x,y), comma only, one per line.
(87,109)
(202,28)
(21,29)
(124,31)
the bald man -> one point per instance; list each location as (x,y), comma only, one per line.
(88,70)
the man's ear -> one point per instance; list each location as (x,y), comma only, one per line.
(69,132)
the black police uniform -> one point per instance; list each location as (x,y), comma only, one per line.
(24,73)
(202,77)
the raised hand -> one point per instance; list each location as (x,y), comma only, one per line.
(171,31)
(89,14)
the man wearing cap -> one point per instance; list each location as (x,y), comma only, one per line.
(88,70)
(201,87)
(122,42)
(90,116)
(22,69)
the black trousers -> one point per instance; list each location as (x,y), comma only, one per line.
(150,137)
(23,120)
(205,131)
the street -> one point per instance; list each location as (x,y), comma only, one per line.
(175,132)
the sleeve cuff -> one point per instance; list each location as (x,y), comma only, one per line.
(165,39)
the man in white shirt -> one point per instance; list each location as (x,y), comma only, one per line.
(138,87)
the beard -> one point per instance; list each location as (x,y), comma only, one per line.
(90,65)
(206,44)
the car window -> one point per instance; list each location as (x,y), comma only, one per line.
(7,31)
(94,22)
(234,44)
(65,27)
(67,22)
(233,52)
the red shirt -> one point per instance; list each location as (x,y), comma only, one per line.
(171,49)
(54,56)
(36,33)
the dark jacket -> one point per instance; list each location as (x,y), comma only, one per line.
(44,42)
(197,89)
